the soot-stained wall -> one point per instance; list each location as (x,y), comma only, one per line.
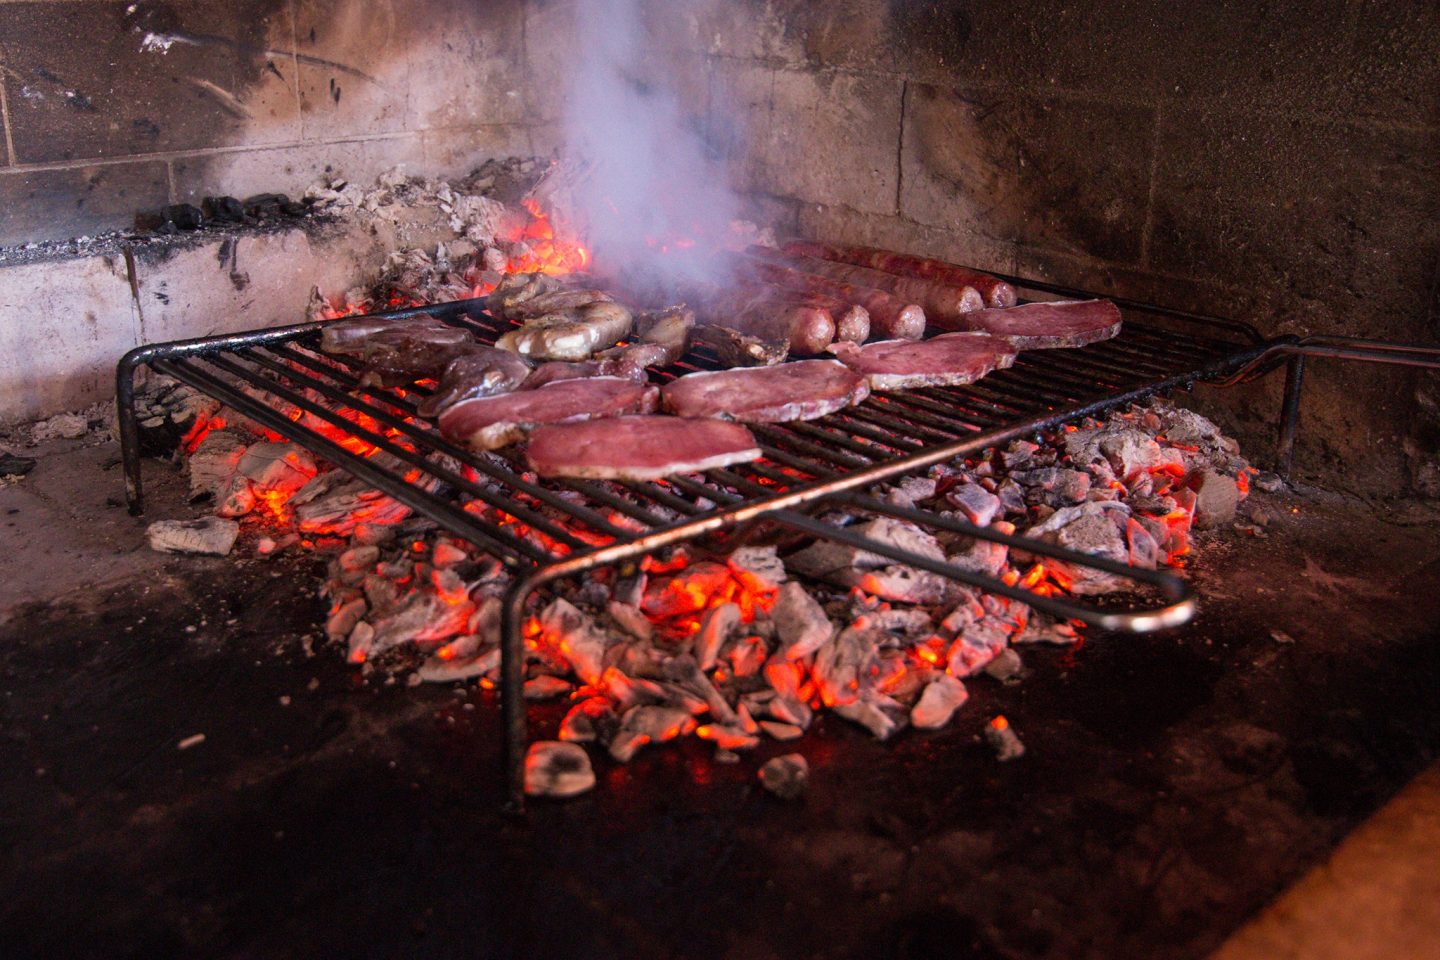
(1275,162)
(111,107)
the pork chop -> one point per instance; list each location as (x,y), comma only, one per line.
(802,390)
(488,423)
(1037,326)
(947,360)
(638,448)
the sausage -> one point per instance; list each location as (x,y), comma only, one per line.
(997,292)
(940,301)
(890,317)
(852,321)
(808,330)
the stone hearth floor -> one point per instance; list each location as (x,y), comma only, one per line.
(1174,784)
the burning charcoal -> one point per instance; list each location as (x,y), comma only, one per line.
(447,554)
(781,731)
(800,622)
(360,642)
(747,657)
(556,769)
(841,663)
(908,623)
(546,687)
(716,629)
(980,556)
(1018,454)
(630,620)
(1188,427)
(727,736)
(1216,498)
(683,669)
(424,617)
(642,725)
(1144,551)
(1129,452)
(591,719)
(979,505)
(354,564)
(211,536)
(686,592)
(1003,740)
(791,711)
(335,503)
(344,617)
(581,643)
(911,490)
(1006,666)
(942,697)
(981,642)
(758,569)
(785,776)
(905,585)
(278,467)
(868,714)
(237,499)
(1042,629)
(440,669)
(1012,497)
(1054,484)
(838,562)
(213,463)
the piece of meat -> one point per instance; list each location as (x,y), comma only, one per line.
(806,329)
(1057,323)
(492,422)
(663,336)
(638,448)
(852,321)
(735,349)
(396,352)
(556,370)
(946,360)
(889,315)
(571,335)
(516,288)
(802,390)
(996,292)
(940,301)
(480,372)
(556,301)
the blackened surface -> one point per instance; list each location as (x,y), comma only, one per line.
(1172,785)
(83,81)
(73,202)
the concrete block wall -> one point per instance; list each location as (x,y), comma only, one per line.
(67,321)
(113,107)
(1279,163)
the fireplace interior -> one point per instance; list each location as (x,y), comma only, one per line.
(1126,647)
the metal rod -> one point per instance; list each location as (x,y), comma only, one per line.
(1290,413)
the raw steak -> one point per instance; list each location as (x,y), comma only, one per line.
(802,390)
(1060,323)
(947,360)
(492,422)
(638,448)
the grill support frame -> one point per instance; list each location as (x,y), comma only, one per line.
(1236,353)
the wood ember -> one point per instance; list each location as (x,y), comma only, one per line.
(942,697)
(211,536)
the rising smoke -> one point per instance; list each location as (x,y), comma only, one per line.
(652,201)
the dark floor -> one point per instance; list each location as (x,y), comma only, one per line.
(1173,784)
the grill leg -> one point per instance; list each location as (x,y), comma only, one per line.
(1290,413)
(129,433)
(512,700)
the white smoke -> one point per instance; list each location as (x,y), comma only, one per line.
(653,202)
